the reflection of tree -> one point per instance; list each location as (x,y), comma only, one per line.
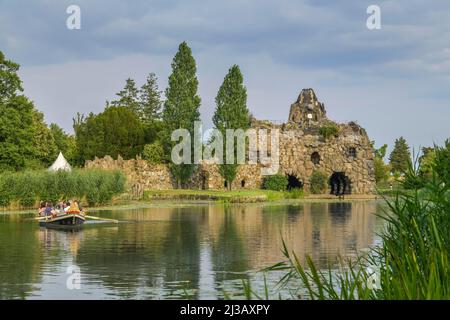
(340,211)
(20,259)
(133,256)
(181,249)
(229,254)
(121,257)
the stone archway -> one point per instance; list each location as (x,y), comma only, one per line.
(340,184)
(294,182)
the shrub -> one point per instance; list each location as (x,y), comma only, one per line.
(318,182)
(328,130)
(277,182)
(153,153)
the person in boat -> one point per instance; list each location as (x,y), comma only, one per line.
(49,210)
(42,208)
(66,206)
(60,207)
(74,207)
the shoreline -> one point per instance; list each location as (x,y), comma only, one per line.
(188,197)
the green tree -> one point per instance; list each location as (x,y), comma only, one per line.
(181,108)
(25,140)
(150,99)
(128,97)
(116,131)
(441,163)
(400,156)
(231,113)
(380,167)
(10,82)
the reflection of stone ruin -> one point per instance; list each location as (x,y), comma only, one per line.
(346,158)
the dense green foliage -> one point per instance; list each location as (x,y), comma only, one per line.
(329,130)
(153,153)
(115,131)
(145,102)
(318,182)
(381,168)
(29,187)
(25,140)
(128,98)
(150,99)
(277,182)
(181,108)
(10,82)
(400,156)
(231,113)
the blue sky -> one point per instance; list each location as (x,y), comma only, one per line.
(394,81)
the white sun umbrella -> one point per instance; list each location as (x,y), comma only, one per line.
(60,164)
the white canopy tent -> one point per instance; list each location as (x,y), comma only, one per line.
(60,164)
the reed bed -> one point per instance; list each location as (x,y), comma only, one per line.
(411,263)
(27,188)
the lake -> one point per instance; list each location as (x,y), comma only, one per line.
(167,251)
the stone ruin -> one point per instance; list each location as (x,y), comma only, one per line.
(347,158)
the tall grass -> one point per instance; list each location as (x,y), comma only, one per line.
(411,263)
(29,187)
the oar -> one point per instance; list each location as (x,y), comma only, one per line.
(99,218)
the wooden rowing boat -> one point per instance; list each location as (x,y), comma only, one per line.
(63,221)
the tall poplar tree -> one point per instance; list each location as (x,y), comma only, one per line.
(231,113)
(181,107)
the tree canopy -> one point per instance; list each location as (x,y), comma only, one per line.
(231,113)
(400,156)
(115,131)
(25,139)
(181,108)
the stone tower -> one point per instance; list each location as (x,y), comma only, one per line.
(307,109)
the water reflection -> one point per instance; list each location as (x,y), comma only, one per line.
(192,252)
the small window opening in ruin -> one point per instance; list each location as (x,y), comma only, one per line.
(225,184)
(315,158)
(352,152)
(243,183)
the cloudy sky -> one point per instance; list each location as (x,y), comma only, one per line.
(394,81)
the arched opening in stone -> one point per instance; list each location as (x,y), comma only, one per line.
(243,183)
(340,184)
(315,158)
(294,182)
(351,152)
(225,184)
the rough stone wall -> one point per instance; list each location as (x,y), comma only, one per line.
(299,139)
(296,149)
(138,172)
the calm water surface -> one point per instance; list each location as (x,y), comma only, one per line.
(167,252)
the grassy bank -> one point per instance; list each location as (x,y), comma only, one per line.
(233,196)
(245,196)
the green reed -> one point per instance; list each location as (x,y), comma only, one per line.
(27,188)
(411,263)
